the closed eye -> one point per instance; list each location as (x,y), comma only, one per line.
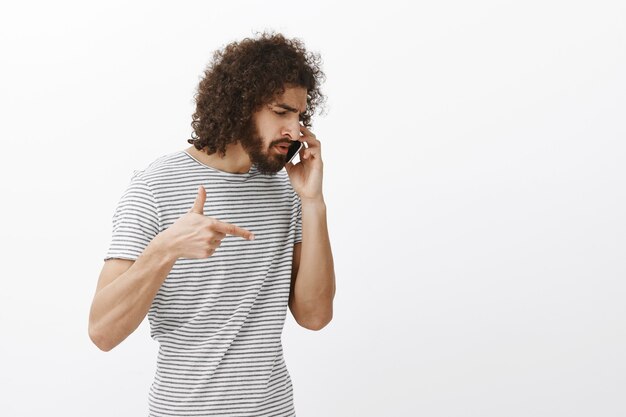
(300,117)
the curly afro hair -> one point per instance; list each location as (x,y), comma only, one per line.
(244,76)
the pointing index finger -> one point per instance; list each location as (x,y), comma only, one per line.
(231,229)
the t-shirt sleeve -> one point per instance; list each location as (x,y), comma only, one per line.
(136,220)
(298,220)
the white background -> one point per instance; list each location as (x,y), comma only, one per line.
(474,178)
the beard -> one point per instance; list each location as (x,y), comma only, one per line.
(267,161)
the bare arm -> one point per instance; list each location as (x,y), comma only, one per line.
(313,274)
(125,293)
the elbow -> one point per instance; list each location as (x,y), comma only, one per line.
(317,323)
(315,326)
(99,340)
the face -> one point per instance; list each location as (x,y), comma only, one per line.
(276,124)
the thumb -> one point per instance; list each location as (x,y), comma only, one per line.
(198,204)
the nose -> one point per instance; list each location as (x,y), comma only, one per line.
(291,129)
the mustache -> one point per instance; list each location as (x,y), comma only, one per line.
(284,141)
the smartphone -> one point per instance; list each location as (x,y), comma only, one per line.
(294,148)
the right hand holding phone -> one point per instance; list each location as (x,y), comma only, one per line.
(197,236)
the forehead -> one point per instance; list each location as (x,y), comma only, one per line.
(294,97)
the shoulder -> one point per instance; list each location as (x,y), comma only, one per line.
(145,182)
(166,167)
(165,163)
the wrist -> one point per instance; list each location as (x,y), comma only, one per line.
(162,246)
(317,202)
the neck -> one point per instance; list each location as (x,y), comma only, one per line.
(236,160)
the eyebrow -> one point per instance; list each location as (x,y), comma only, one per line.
(287,107)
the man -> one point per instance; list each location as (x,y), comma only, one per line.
(215,241)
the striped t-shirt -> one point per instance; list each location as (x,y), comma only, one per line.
(218,320)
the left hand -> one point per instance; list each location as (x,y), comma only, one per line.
(306,175)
